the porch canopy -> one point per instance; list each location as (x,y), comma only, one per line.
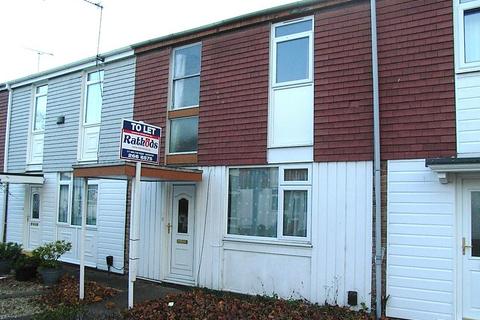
(126,170)
(445,166)
(26,178)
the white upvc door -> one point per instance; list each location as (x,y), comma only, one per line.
(181,229)
(33,218)
(470,240)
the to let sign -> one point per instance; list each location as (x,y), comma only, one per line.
(140,142)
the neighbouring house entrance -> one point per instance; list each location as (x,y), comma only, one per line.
(470,238)
(181,235)
(33,217)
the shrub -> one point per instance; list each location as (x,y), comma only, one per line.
(10,250)
(49,253)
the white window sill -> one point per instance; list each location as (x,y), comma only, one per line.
(269,241)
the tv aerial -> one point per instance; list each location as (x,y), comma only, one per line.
(99,6)
(39,53)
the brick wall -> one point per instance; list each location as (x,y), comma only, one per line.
(234,98)
(415,42)
(343,85)
(151,90)
(3,124)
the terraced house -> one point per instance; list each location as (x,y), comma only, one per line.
(290,136)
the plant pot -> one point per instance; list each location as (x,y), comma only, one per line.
(50,276)
(25,273)
(5,266)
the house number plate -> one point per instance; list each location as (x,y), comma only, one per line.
(182,241)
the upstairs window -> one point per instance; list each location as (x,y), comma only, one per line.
(40,108)
(469,30)
(185,99)
(93,97)
(186,77)
(292,52)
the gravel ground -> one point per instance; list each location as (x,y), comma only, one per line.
(19,298)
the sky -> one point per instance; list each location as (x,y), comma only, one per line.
(67,30)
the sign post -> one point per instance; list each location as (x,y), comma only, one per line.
(140,142)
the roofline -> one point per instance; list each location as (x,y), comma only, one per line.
(69,67)
(255,14)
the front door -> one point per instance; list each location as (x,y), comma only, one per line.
(181,229)
(33,217)
(471,250)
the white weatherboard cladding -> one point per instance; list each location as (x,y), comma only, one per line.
(468,113)
(151,227)
(118,94)
(337,260)
(19,121)
(49,208)
(16,213)
(111,222)
(420,237)
(60,141)
(108,237)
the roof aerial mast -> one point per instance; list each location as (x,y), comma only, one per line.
(39,53)
(100,6)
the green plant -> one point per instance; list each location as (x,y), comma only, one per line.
(10,250)
(49,253)
(24,261)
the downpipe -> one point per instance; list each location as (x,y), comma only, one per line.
(3,230)
(376,163)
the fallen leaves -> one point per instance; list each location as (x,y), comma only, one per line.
(66,293)
(206,305)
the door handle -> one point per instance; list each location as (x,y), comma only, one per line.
(169,226)
(464,245)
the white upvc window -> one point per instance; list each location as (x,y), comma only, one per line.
(184,94)
(290,119)
(270,203)
(70,192)
(468,41)
(185,88)
(91,116)
(292,52)
(37,127)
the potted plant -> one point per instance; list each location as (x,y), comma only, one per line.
(48,255)
(9,252)
(25,267)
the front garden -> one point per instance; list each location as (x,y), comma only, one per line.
(22,293)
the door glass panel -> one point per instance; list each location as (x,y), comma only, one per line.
(475,224)
(182,216)
(35,206)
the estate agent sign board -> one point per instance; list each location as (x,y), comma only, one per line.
(140,142)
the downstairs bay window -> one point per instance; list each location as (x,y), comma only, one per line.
(269,202)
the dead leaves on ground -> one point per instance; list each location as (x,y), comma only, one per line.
(200,304)
(66,293)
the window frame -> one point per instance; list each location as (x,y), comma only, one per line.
(462,65)
(34,109)
(88,83)
(70,201)
(168,141)
(172,78)
(180,112)
(273,51)
(282,186)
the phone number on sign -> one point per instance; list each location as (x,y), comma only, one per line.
(140,157)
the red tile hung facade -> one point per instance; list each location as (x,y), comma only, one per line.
(151,90)
(234,98)
(343,86)
(416,85)
(416,66)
